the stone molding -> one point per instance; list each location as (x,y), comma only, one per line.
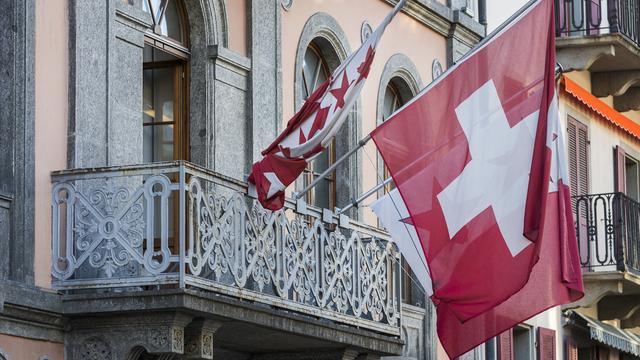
(440,18)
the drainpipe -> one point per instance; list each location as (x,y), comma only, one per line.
(482,12)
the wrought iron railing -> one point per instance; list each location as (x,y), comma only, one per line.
(176,224)
(608,232)
(594,17)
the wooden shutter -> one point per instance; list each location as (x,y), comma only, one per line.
(505,345)
(619,171)
(578,149)
(571,350)
(546,344)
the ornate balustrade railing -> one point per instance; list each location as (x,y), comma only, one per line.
(176,224)
(593,17)
(608,232)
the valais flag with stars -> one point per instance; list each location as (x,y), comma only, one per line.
(313,127)
(478,159)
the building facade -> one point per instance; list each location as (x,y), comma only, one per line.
(128,127)
(597,45)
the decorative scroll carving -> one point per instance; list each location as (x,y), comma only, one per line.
(95,349)
(116,233)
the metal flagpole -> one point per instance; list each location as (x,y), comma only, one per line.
(333,166)
(364,196)
(361,143)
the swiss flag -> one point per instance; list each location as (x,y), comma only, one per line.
(479,162)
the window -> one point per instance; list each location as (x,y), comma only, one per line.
(315,71)
(165,94)
(392,101)
(522,343)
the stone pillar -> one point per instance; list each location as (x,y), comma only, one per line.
(198,337)
(107,39)
(17,153)
(266,75)
(229,128)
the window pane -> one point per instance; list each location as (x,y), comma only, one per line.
(323,194)
(321,162)
(158,96)
(158,143)
(170,23)
(311,62)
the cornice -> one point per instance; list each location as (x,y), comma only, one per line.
(442,19)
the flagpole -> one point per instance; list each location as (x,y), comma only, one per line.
(333,166)
(364,196)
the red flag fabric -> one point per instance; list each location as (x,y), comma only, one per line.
(313,127)
(477,161)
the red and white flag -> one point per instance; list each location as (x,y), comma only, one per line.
(313,127)
(479,162)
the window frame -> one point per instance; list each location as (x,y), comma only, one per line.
(308,174)
(158,42)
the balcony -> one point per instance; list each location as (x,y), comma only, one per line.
(178,226)
(608,232)
(602,37)
(593,17)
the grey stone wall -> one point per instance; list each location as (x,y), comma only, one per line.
(17,115)
(265,115)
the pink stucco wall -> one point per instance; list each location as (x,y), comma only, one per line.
(18,348)
(52,73)
(404,35)
(237,14)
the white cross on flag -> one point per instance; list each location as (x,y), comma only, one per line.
(313,127)
(479,163)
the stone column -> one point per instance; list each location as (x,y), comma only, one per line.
(266,75)
(17,152)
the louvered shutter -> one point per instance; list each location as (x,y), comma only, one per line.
(620,174)
(505,345)
(571,350)
(578,151)
(572,143)
(583,159)
(546,344)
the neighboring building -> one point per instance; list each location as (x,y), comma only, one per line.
(128,127)
(598,45)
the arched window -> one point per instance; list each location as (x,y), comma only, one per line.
(396,95)
(165,95)
(392,101)
(315,71)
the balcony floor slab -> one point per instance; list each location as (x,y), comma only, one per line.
(248,327)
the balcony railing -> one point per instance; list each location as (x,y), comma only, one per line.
(179,225)
(608,231)
(594,17)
